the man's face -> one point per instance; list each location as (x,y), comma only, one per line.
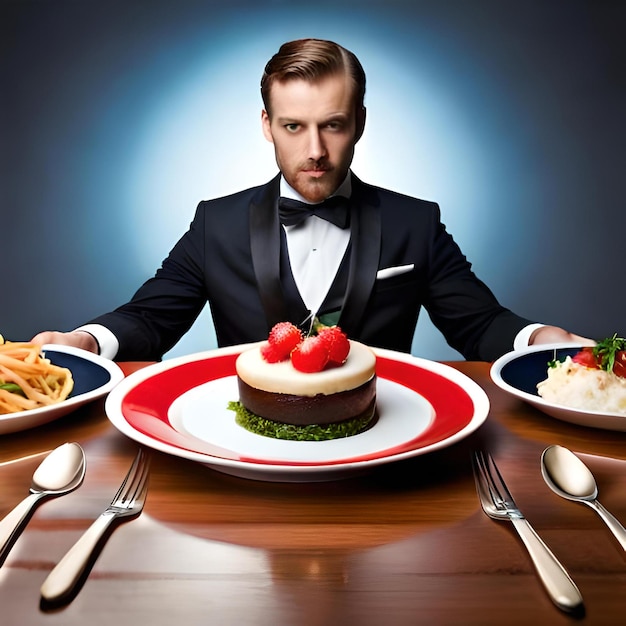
(314,128)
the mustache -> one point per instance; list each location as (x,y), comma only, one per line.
(322,165)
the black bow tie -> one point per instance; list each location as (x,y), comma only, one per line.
(335,210)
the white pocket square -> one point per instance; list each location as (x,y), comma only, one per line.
(388,272)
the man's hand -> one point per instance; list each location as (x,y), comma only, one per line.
(553,334)
(76,338)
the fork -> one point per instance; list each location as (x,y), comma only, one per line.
(128,502)
(498,503)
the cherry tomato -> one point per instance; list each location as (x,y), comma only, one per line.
(587,358)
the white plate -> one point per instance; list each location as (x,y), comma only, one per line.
(519,372)
(180,407)
(94,376)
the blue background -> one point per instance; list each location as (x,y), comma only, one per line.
(117,118)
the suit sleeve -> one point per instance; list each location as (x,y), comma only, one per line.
(463,308)
(164,307)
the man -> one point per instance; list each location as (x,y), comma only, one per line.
(370,273)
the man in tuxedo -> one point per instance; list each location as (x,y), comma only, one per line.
(368,262)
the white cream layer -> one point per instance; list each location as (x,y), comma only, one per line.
(283,378)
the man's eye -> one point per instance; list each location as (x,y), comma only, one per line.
(335,126)
(292,128)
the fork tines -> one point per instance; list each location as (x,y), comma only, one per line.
(492,479)
(134,485)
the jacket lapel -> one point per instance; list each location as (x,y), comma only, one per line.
(365,223)
(265,249)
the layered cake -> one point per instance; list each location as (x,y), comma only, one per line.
(310,398)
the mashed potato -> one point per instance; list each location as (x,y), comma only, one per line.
(578,387)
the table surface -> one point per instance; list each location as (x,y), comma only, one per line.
(406,543)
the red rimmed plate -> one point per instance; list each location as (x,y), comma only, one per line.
(180,407)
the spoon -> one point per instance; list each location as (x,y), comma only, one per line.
(570,478)
(59,473)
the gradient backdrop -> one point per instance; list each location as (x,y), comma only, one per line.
(118,117)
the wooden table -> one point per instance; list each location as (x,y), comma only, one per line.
(405,544)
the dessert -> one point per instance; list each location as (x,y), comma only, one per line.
(323,388)
(594,379)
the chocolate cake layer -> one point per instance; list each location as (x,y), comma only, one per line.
(305,410)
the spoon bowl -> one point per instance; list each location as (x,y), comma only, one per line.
(567,475)
(570,478)
(62,471)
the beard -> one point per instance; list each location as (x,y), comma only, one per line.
(316,188)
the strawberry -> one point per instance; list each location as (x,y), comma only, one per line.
(283,338)
(337,343)
(271,354)
(311,355)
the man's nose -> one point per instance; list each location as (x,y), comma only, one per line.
(317,149)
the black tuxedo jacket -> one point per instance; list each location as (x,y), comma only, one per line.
(400,258)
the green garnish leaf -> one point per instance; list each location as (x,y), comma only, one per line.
(276,430)
(12,388)
(606,350)
(555,361)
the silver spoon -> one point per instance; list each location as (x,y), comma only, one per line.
(59,473)
(570,478)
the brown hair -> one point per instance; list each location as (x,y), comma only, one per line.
(312,59)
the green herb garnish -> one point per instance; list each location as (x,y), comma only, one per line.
(277,430)
(554,362)
(606,350)
(12,388)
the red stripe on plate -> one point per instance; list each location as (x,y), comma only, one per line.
(145,407)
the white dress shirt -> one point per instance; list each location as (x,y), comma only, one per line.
(316,248)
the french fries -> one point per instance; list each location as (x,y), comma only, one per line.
(28,380)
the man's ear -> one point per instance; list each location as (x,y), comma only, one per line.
(266,125)
(360,123)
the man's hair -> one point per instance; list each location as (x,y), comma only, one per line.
(311,60)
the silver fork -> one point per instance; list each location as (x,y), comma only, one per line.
(127,502)
(497,502)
